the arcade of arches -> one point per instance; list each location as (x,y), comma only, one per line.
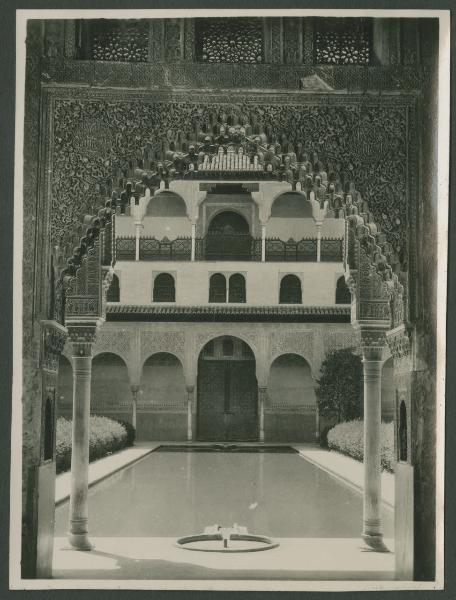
(236,393)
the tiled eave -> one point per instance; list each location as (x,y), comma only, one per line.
(279,314)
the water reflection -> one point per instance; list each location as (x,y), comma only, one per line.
(180,493)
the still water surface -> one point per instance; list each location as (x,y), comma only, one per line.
(171,494)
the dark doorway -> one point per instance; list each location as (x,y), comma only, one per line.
(228,238)
(227,391)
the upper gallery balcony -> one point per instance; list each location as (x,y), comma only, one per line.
(229,247)
(228,221)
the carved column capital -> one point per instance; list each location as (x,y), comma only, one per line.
(82,336)
(373,343)
(54,337)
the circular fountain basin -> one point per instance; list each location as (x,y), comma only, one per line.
(215,543)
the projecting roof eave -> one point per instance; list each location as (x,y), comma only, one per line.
(291,313)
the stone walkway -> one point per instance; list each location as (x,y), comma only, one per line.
(346,469)
(142,558)
(103,467)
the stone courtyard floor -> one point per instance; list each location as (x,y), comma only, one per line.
(156,558)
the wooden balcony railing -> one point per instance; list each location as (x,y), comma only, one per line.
(233,247)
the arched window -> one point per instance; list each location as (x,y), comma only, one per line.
(164,288)
(290,290)
(217,288)
(113,293)
(343,295)
(236,291)
(403,432)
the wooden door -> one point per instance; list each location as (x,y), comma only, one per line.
(227,400)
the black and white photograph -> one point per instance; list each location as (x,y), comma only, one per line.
(230,272)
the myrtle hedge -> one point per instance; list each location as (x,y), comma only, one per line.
(348,438)
(106,436)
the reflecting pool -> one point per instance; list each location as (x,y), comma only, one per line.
(177,492)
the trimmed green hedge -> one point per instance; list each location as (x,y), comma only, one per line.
(106,436)
(348,438)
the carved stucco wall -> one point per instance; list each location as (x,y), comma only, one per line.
(135,342)
(92,139)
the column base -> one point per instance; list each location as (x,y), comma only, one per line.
(374,542)
(80,541)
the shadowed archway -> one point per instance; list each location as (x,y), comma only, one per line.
(227,391)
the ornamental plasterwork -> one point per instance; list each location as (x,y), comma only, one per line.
(154,342)
(301,343)
(250,339)
(336,340)
(116,342)
(368,141)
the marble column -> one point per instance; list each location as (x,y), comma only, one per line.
(372,499)
(262,391)
(81,339)
(317,423)
(318,240)
(190,396)
(134,404)
(193,241)
(263,242)
(138,227)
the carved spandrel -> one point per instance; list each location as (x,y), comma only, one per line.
(129,126)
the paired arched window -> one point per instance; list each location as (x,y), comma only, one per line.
(236,291)
(290,290)
(113,293)
(343,295)
(164,288)
(218,288)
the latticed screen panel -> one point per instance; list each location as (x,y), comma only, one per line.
(234,40)
(331,250)
(304,250)
(340,41)
(119,41)
(125,248)
(152,249)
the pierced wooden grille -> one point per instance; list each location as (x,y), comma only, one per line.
(125,248)
(304,250)
(152,249)
(119,41)
(343,41)
(238,40)
(331,250)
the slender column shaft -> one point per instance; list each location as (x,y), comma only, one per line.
(190,395)
(82,370)
(263,242)
(138,236)
(318,242)
(372,525)
(193,241)
(317,423)
(134,404)
(262,391)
